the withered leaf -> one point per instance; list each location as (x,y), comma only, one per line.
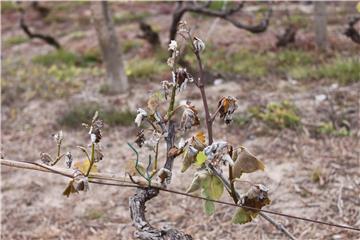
(256,197)
(46,158)
(227,106)
(140,138)
(174,152)
(189,157)
(199,176)
(246,163)
(69,189)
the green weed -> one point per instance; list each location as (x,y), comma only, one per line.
(81,113)
(126,17)
(15,40)
(277,115)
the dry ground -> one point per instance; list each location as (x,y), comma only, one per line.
(307,175)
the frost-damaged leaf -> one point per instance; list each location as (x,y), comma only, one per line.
(227,106)
(246,163)
(189,117)
(189,157)
(70,189)
(241,216)
(200,137)
(84,165)
(199,176)
(164,176)
(46,158)
(200,159)
(81,182)
(219,152)
(69,159)
(199,45)
(140,138)
(141,114)
(256,197)
(182,78)
(174,152)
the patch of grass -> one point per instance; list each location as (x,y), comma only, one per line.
(242,119)
(343,70)
(145,68)
(128,45)
(77,35)
(126,17)
(250,64)
(81,113)
(62,57)
(91,57)
(57,57)
(22,82)
(292,58)
(15,40)
(93,214)
(316,175)
(329,129)
(245,62)
(298,20)
(7,6)
(277,115)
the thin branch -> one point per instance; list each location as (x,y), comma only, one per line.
(351,32)
(46,38)
(226,15)
(213,116)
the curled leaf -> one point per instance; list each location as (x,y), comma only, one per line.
(70,189)
(190,117)
(198,44)
(199,176)
(95,130)
(256,197)
(141,114)
(164,176)
(69,159)
(189,157)
(174,152)
(246,163)
(227,106)
(58,137)
(219,152)
(46,158)
(182,78)
(172,45)
(152,141)
(81,182)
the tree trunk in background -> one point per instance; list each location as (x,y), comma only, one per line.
(320,22)
(102,18)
